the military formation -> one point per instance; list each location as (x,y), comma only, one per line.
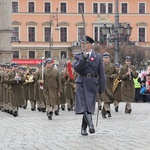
(45,88)
(75,87)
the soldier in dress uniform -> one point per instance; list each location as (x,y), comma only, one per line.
(16,80)
(2,88)
(38,91)
(127,73)
(1,93)
(117,88)
(30,82)
(62,98)
(107,95)
(90,81)
(52,87)
(5,89)
(69,88)
(25,88)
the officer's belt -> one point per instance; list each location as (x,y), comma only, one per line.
(88,75)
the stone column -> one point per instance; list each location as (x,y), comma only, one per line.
(5,31)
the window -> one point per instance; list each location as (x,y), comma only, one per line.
(47,54)
(63,34)
(31,54)
(14,7)
(98,37)
(110,8)
(15,54)
(47,33)
(142,34)
(95,8)
(142,8)
(63,54)
(63,8)
(80,33)
(96,34)
(103,8)
(80,5)
(31,34)
(47,7)
(31,7)
(124,8)
(15,34)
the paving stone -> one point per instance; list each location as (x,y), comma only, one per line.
(31,130)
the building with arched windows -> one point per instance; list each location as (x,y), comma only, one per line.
(35,25)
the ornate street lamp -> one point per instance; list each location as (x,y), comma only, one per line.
(117,32)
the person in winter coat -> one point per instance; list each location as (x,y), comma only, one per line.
(90,81)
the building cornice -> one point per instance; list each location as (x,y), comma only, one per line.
(80,24)
(63,23)
(141,24)
(31,23)
(16,23)
(47,23)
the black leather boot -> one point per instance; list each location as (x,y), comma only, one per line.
(83,127)
(109,114)
(89,121)
(50,114)
(15,114)
(43,109)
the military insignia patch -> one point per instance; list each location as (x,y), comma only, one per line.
(92,58)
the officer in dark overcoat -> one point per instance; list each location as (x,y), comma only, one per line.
(90,81)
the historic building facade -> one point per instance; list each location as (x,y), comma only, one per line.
(54,27)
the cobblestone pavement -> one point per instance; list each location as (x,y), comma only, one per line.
(33,131)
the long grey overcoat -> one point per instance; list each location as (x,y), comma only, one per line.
(88,87)
(127,85)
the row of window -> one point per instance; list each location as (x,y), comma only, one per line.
(32,34)
(63,34)
(102,8)
(32,54)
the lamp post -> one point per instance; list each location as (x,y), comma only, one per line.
(53,16)
(117,33)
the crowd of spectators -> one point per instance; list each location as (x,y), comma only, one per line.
(142,86)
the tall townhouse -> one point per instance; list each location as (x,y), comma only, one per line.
(44,28)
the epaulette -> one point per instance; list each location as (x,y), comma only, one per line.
(77,55)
